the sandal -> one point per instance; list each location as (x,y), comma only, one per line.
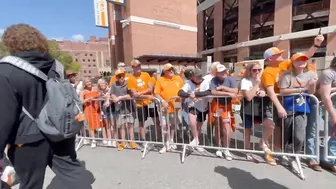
(270,160)
(315,166)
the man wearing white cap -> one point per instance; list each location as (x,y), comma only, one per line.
(223,85)
(120,66)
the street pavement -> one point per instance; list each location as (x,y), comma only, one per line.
(126,170)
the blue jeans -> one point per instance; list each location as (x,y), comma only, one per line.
(312,120)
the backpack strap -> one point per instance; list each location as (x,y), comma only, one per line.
(59,69)
(24,65)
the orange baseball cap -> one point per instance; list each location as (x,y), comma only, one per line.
(167,66)
(300,56)
(119,71)
(272,51)
(135,62)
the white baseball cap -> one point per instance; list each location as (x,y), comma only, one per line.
(220,68)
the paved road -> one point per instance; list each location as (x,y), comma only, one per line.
(126,170)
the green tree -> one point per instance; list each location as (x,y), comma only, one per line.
(3,50)
(63,57)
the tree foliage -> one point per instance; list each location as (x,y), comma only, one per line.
(3,50)
(55,52)
(63,57)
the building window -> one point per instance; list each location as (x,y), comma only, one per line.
(89,65)
(94,65)
(107,63)
(88,60)
(90,54)
(85,54)
(89,71)
(84,71)
(83,60)
(93,60)
(76,59)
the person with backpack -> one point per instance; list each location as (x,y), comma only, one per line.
(40,112)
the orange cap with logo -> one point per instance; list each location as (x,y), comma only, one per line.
(167,66)
(299,56)
(135,62)
(119,71)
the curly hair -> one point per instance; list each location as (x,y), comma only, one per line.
(23,37)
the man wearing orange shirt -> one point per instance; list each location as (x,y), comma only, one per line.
(276,64)
(121,66)
(166,87)
(141,86)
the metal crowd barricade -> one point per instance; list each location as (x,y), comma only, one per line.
(102,125)
(325,144)
(236,144)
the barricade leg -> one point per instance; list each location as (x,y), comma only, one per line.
(297,159)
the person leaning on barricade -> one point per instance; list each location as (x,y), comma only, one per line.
(120,66)
(327,82)
(276,64)
(225,87)
(193,90)
(297,80)
(89,98)
(106,114)
(141,87)
(167,87)
(31,151)
(125,109)
(250,112)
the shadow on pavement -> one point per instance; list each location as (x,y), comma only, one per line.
(86,180)
(240,179)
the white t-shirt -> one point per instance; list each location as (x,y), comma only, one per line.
(190,87)
(246,84)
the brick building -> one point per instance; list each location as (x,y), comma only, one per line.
(236,30)
(93,55)
(156,31)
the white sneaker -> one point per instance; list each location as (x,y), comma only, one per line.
(114,144)
(8,175)
(93,144)
(219,154)
(165,149)
(172,146)
(227,155)
(86,142)
(193,143)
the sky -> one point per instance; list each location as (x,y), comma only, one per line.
(56,19)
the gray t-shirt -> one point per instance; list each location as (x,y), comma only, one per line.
(227,82)
(124,106)
(288,80)
(328,77)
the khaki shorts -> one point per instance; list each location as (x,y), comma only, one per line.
(124,119)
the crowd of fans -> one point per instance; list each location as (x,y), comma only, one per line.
(265,95)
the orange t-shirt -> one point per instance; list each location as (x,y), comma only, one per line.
(270,77)
(114,78)
(139,84)
(153,81)
(168,88)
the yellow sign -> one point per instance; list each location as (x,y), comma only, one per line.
(101,14)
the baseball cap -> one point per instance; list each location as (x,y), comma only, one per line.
(300,56)
(119,71)
(197,72)
(220,68)
(167,66)
(121,64)
(135,62)
(214,65)
(272,51)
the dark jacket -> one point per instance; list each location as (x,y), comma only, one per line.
(19,88)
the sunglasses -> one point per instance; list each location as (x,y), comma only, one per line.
(255,70)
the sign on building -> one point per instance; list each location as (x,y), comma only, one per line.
(101,14)
(118,2)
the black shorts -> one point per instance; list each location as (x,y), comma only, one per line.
(201,116)
(143,112)
(270,112)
